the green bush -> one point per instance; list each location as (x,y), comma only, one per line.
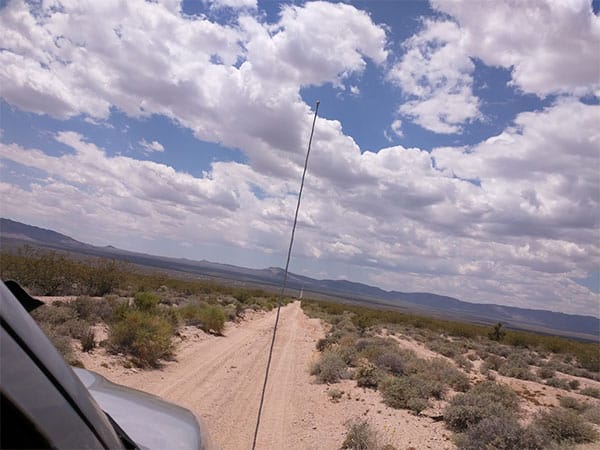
(499,433)
(335,395)
(323,343)
(462,362)
(493,362)
(366,374)
(590,392)
(417,404)
(444,347)
(573,403)
(92,310)
(546,372)
(592,414)
(210,318)
(560,383)
(484,400)
(373,348)
(61,342)
(144,336)
(330,368)
(360,435)
(516,366)
(497,333)
(399,392)
(565,426)
(391,361)
(52,314)
(440,371)
(213,319)
(146,300)
(88,340)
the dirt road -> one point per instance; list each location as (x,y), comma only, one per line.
(220,378)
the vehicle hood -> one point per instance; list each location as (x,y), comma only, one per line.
(149,421)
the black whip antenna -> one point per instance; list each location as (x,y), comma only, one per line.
(284,284)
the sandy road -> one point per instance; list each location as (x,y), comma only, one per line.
(220,378)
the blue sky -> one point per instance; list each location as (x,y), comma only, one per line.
(456,149)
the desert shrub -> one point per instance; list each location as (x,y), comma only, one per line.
(242,296)
(366,374)
(53,314)
(88,340)
(346,349)
(590,392)
(397,392)
(323,343)
(100,276)
(498,349)
(330,368)
(592,414)
(360,435)
(487,399)
(574,384)
(170,315)
(391,361)
(588,357)
(516,366)
(546,372)
(335,395)
(497,333)
(93,310)
(74,328)
(560,383)
(573,403)
(213,319)
(146,300)
(444,347)
(493,362)
(463,362)
(348,354)
(563,425)
(373,348)
(61,342)
(207,317)
(440,371)
(144,336)
(417,404)
(498,433)
(190,313)
(231,312)
(472,356)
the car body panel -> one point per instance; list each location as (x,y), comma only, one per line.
(150,421)
(67,407)
(20,329)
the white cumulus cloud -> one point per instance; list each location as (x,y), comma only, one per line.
(153,146)
(550,46)
(435,74)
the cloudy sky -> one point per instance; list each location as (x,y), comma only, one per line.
(457,149)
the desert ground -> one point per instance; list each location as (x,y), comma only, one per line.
(220,378)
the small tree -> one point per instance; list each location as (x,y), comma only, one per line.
(497,333)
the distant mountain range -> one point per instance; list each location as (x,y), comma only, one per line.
(14,235)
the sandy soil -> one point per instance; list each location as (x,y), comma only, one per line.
(220,378)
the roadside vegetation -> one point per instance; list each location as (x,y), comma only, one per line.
(142,312)
(463,385)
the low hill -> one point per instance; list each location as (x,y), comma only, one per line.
(14,235)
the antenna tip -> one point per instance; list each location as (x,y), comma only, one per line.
(318,102)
